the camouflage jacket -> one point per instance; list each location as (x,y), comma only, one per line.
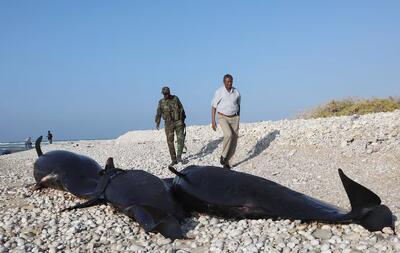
(171,111)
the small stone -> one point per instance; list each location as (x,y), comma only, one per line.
(325,247)
(291,153)
(291,245)
(236,232)
(323,234)
(314,242)
(361,247)
(136,248)
(163,241)
(352,237)
(387,230)
(182,251)
(52,250)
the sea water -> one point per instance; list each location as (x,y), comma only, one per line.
(11,147)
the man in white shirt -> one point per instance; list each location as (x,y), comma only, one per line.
(227,103)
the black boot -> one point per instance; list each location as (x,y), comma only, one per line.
(222,160)
(227,166)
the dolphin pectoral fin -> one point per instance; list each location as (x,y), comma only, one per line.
(89,203)
(146,216)
(154,219)
(169,227)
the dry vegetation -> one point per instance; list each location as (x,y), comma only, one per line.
(351,106)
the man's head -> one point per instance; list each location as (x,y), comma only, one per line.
(165,91)
(228,81)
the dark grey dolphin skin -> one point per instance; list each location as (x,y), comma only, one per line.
(6,152)
(67,171)
(233,194)
(142,196)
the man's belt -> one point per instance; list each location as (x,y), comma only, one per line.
(229,116)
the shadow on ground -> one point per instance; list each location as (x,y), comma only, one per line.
(207,149)
(260,146)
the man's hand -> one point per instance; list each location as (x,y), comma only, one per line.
(214,125)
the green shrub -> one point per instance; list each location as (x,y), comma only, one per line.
(351,106)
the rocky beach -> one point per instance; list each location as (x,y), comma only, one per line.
(303,155)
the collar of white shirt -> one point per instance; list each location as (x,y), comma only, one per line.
(229,91)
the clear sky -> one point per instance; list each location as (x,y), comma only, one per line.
(94,69)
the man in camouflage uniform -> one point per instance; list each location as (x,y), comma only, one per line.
(171,110)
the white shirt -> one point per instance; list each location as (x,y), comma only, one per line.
(226,102)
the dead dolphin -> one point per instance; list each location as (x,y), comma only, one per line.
(235,194)
(142,196)
(64,170)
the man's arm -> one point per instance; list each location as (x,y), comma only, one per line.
(182,110)
(239,101)
(213,123)
(214,105)
(158,115)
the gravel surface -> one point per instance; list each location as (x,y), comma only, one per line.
(301,154)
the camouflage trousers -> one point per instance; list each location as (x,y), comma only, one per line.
(179,129)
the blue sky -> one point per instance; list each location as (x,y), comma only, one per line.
(94,69)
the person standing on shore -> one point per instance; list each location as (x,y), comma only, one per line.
(226,103)
(28,143)
(171,110)
(50,137)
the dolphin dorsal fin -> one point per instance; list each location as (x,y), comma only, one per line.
(37,146)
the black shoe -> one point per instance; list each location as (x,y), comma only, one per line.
(222,160)
(173,163)
(226,166)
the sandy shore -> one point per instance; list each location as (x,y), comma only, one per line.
(301,154)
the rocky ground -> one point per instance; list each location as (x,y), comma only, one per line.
(301,154)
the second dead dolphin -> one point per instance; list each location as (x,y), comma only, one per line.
(142,196)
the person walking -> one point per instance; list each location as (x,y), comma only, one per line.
(171,110)
(226,103)
(50,137)
(28,143)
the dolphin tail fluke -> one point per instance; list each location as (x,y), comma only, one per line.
(37,146)
(361,198)
(366,206)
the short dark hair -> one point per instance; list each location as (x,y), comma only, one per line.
(228,76)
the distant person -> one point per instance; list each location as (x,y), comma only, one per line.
(227,103)
(171,110)
(50,137)
(28,143)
